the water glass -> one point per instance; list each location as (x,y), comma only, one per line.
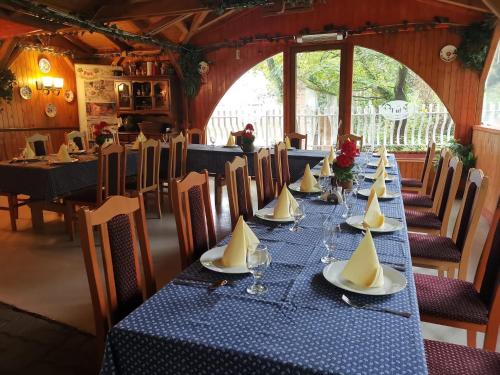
(324,183)
(347,195)
(258,260)
(298,214)
(212,140)
(331,234)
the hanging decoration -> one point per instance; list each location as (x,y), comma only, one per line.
(44,65)
(448,53)
(475,43)
(219,6)
(7,81)
(189,62)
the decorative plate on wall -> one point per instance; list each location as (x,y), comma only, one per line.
(448,53)
(51,110)
(44,65)
(25,92)
(69,96)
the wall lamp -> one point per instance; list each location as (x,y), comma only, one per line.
(50,85)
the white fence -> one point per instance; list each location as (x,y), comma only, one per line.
(428,122)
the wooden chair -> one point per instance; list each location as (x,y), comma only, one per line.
(420,185)
(450,359)
(436,220)
(148,172)
(264,177)
(177,156)
(13,204)
(151,129)
(40,144)
(461,304)
(196,136)
(79,138)
(238,137)
(443,253)
(110,181)
(353,137)
(193,216)
(238,189)
(424,202)
(122,289)
(281,165)
(296,140)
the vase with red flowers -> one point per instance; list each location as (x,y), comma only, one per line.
(101,132)
(248,138)
(343,164)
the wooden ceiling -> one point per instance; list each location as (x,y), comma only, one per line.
(177,21)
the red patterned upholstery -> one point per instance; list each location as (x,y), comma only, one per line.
(417,200)
(411,182)
(433,247)
(422,219)
(450,359)
(450,299)
(198,222)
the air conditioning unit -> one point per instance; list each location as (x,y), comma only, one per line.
(320,38)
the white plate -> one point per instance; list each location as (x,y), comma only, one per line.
(69,96)
(51,110)
(388,194)
(375,164)
(296,187)
(209,260)
(371,176)
(267,215)
(390,224)
(44,65)
(394,281)
(25,92)
(73,160)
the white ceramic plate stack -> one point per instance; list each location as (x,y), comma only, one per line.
(387,195)
(210,260)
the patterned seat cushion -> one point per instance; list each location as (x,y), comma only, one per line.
(417,200)
(450,299)
(433,247)
(450,359)
(422,219)
(411,182)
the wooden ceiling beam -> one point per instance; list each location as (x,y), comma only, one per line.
(494,6)
(183,29)
(121,45)
(80,44)
(476,5)
(195,25)
(216,20)
(8,52)
(27,20)
(165,23)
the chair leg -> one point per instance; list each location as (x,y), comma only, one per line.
(158,202)
(69,210)
(471,338)
(12,203)
(440,272)
(450,272)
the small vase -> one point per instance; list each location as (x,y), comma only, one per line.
(247,147)
(347,184)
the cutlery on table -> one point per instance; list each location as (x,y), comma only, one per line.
(346,299)
(211,285)
(397,266)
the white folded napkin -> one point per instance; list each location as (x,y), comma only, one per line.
(140,138)
(286,205)
(230,141)
(325,168)
(287,143)
(28,152)
(308,182)
(380,171)
(242,240)
(373,217)
(72,147)
(379,186)
(63,154)
(332,155)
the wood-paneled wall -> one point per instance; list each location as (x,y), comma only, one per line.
(22,118)
(486,142)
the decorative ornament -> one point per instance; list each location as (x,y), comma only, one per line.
(25,92)
(51,110)
(7,80)
(69,96)
(448,53)
(44,65)
(203,69)
(476,39)
(189,62)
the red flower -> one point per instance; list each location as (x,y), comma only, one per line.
(247,134)
(349,148)
(249,127)
(344,161)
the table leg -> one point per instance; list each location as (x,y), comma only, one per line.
(219,181)
(37,215)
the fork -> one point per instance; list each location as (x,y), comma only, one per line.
(346,299)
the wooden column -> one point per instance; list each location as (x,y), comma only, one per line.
(345,100)
(288,91)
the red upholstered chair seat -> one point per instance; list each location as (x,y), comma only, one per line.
(450,359)
(411,182)
(422,219)
(417,200)
(433,247)
(450,299)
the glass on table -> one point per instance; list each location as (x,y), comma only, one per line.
(258,260)
(347,195)
(331,233)
(298,214)
(324,183)
(212,140)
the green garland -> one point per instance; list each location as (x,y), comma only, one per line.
(220,6)
(189,62)
(475,43)
(7,80)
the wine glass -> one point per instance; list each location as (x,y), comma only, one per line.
(331,233)
(212,140)
(323,183)
(298,214)
(258,260)
(347,195)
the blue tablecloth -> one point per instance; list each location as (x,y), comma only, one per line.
(299,327)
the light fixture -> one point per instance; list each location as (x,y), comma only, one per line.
(49,84)
(319,38)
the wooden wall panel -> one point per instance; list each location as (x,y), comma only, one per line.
(486,142)
(22,117)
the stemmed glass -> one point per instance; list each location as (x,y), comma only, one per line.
(212,140)
(298,215)
(331,233)
(347,195)
(258,260)
(323,183)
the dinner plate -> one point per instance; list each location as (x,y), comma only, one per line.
(73,160)
(296,187)
(390,224)
(210,259)
(387,195)
(394,281)
(267,215)
(374,164)
(371,176)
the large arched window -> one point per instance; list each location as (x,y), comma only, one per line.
(491,101)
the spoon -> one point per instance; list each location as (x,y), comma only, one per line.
(346,299)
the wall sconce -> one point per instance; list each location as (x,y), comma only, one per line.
(49,84)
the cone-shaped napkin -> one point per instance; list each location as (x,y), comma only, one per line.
(286,203)
(72,147)
(287,143)
(373,216)
(381,150)
(363,269)
(381,169)
(63,154)
(242,240)
(308,181)
(28,152)
(383,157)
(107,142)
(379,186)
(140,138)
(230,141)
(325,168)
(331,155)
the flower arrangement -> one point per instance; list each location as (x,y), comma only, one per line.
(342,166)
(101,132)
(248,138)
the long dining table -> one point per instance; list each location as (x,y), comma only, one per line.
(300,326)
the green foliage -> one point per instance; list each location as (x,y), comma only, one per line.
(342,174)
(189,62)
(464,153)
(272,68)
(7,80)
(474,46)
(219,6)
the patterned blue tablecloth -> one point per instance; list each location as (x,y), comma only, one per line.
(299,327)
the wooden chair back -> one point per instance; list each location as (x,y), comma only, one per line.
(468,216)
(358,139)
(196,136)
(148,171)
(151,129)
(444,159)
(264,177)
(78,138)
(429,157)
(297,140)
(238,137)
(238,189)
(177,156)
(112,169)
(40,144)
(281,165)
(122,224)
(193,216)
